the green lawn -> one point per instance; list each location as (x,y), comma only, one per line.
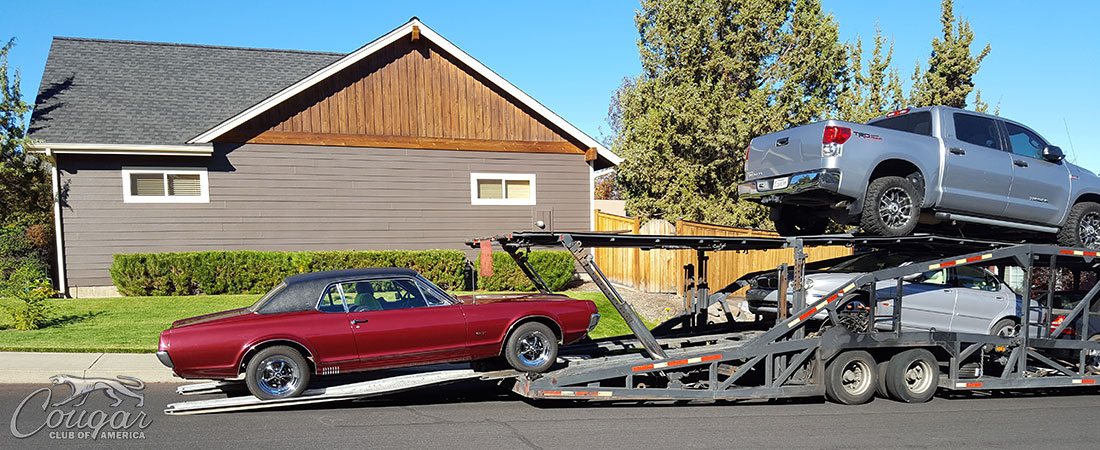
(132,324)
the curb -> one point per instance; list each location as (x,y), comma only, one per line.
(37,368)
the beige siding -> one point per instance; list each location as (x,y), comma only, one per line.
(285,197)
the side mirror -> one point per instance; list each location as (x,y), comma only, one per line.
(913,277)
(1053,153)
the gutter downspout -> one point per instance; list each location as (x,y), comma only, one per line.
(62,283)
(592,195)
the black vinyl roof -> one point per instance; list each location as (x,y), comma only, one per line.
(301,292)
(328,276)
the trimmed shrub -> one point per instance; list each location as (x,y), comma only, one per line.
(555,267)
(251,272)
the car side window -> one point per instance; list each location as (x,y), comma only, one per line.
(384,294)
(433,297)
(934,277)
(977,130)
(971,277)
(1024,142)
(331,301)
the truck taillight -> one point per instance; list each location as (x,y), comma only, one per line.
(898,112)
(836,135)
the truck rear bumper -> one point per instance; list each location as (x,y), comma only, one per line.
(765,190)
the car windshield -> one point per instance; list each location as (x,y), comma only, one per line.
(870,262)
(260,303)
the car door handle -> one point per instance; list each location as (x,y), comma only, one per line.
(358,321)
(1020,163)
(958,151)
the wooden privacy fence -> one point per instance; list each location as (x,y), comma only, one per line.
(663,270)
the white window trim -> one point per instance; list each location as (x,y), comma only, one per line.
(474,200)
(204,185)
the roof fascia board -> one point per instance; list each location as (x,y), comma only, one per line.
(122,149)
(389,38)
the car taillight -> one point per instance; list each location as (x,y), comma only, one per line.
(836,135)
(1058,321)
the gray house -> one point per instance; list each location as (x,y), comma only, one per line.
(405,143)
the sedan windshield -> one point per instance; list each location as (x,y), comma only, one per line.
(870,262)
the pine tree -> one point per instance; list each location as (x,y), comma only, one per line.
(25,192)
(875,93)
(715,74)
(951,67)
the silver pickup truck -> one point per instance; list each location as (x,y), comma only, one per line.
(930,165)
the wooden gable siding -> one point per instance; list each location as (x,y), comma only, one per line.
(408,95)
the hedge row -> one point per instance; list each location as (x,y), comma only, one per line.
(555,267)
(241,272)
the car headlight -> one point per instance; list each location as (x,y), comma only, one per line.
(806,283)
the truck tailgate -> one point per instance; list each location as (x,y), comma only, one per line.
(785,152)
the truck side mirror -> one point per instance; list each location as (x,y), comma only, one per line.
(1053,153)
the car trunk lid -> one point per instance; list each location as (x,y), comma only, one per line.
(481,299)
(210,317)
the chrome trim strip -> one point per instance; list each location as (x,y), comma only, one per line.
(827,179)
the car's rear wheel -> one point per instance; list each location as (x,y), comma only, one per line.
(1004,328)
(532,347)
(912,376)
(277,372)
(851,378)
(891,207)
(1082,228)
(797,221)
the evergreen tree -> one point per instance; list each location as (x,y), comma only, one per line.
(951,67)
(715,74)
(25,192)
(876,92)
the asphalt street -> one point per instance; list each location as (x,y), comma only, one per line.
(481,415)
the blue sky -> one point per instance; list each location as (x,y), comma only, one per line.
(571,55)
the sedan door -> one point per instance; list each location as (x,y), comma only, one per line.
(928,301)
(978,171)
(982,298)
(395,325)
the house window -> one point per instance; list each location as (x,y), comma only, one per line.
(502,189)
(151,185)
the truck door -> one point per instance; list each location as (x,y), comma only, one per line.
(977,172)
(1040,188)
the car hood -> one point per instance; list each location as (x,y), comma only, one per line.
(210,317)
(481,299)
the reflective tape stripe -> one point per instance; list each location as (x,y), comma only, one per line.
(969,384)
(820,306)
(1084,381)
(1078,253)
(960,261)
(679,362)
(575,393)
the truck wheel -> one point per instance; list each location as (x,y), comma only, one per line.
(1082,228)
(851,378)
(891,207)
(797,221)
(1092,357)
(277,372)
(532,347)
(880,387)
(912,376)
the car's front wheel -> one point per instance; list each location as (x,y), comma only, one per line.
(277,372)
(532,347)
(1082,228)
(891,207)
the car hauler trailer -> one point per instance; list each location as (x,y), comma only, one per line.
(848,357)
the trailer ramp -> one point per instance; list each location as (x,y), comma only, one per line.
(329,394)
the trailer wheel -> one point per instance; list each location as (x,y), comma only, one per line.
(532,347)
(880,387)
(912,376)
(851,378)
(891,207)
(1092,357)
(277,372)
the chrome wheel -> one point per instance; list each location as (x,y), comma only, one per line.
(919,376)
(856,377)
(278,376)
(1089,230)
(534,349)
(895,207)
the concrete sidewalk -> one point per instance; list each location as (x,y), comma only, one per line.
(36,368)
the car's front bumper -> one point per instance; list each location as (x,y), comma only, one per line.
(764,190)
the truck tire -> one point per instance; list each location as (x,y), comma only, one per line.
(891,207)
(1082,228)
(851,378)
(912,376)
(797,221)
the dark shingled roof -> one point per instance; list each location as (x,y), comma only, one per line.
(125,92)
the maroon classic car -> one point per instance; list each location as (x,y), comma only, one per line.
(352,320)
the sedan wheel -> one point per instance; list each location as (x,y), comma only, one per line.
(532,347)
(277,372)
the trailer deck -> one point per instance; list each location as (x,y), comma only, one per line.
(688,359)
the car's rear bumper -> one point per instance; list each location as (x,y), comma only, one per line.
(823,183)
(165,359)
